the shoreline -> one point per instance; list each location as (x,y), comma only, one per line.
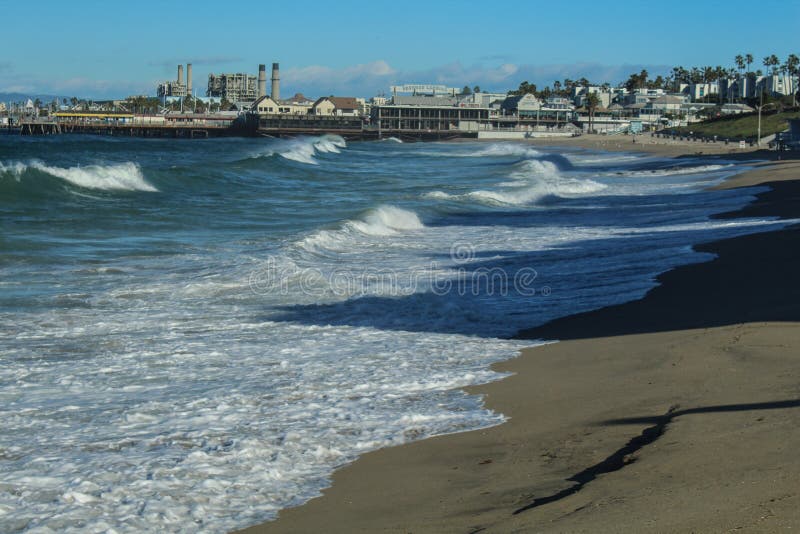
(682,399)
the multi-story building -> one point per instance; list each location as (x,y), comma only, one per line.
(239,87)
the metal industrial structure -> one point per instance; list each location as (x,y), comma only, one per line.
(276,83)
(176,87)
(262,80)
(238,87)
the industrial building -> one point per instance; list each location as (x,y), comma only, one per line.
(239,87)
(242,87)
(177,87)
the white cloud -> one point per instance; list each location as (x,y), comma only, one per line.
(364,79)
(78,86)
(371,78)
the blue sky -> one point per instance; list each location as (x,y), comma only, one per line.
(113,49)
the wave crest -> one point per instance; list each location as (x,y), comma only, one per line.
(382,221)
(121,177)
(533,181)
(303,149)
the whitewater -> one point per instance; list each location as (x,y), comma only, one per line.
(194,335)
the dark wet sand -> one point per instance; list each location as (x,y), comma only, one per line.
(679,412)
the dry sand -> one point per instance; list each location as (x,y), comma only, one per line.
(679,412)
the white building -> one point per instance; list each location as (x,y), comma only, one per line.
(482,100)
(521,105)
(777,84)
(339,106)
(700,91)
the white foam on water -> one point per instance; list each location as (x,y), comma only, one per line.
(379,222)
(491,150)
(303,149)
(198,397)
(122,177)
(532,181)
(675,171)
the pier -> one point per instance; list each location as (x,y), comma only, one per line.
(179,126)
(422,127)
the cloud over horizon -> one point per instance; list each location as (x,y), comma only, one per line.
(372,78)
(363,79)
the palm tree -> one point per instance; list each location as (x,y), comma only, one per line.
(739,62)
(772,62)
(748,58)
(643,78)
(791,66)
(592,102)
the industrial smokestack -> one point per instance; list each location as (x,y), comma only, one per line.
(180,73)
(262,81)
(188,78)
(276,83)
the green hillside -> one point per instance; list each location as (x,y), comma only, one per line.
(742,126)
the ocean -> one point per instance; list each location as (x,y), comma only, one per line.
(195,334)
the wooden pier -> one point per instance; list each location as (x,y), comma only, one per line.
(183,126)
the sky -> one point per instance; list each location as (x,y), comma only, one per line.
(113,49)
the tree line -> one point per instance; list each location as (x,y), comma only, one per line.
(678,75)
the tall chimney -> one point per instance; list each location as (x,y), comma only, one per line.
(276,83)
(262,81)
(188,78)
(180,73)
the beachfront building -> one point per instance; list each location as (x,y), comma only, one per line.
(527,105)
(481,99)
(266,106)
(423,89)
(605,95)
(338,106)
(427,113)
(700,91)
(298,104)
(777,84)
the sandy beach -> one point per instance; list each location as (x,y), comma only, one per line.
(679,412)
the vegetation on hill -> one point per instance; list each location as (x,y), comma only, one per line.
(741,126)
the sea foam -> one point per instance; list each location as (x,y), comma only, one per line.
(532,181)
(303,149)
(384,221)
(122,177)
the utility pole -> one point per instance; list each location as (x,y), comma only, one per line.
(760,105)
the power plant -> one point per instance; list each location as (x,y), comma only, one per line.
(276,83)
(233,87)
(243,87)
(176,87)
(262,80)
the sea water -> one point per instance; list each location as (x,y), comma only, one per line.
(195,334)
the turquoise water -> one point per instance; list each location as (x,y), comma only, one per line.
(195,334)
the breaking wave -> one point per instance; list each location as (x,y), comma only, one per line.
(303,149)
(382,221)
(121,177)
(532,181)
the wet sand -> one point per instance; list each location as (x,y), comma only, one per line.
(679,412)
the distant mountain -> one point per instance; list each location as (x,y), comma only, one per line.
(22,97)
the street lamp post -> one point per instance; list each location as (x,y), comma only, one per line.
(760,105)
